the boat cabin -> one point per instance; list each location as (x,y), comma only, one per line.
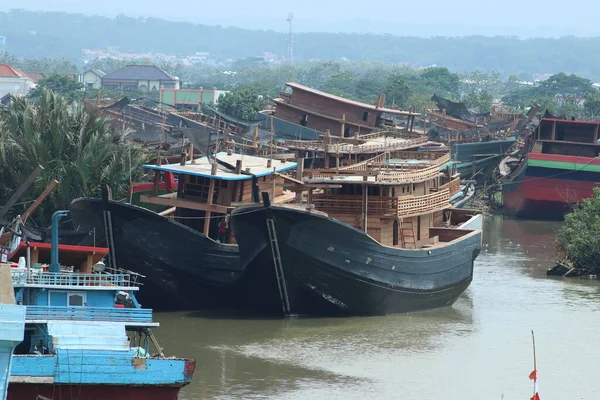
(342,117)
(398,202)
(566,137)
(209,189)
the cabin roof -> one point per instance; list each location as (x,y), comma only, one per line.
(202,167)
(348,101)
(569,121)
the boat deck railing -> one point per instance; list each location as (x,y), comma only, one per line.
(107,314)
(381,205)
(417,205)
(37,277)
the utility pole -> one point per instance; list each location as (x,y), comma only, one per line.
(290,41)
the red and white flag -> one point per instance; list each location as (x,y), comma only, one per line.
(533,377)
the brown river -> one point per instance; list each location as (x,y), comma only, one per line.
(480,348)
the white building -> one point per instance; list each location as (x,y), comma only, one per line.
(92,78)
(14,81)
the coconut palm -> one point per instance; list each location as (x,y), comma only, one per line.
(74,144)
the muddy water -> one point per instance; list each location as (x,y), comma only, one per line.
(478,349)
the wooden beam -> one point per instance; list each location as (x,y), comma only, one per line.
(211,192)
(344,172)
(21,191)
(39,200)
(168,211)
(289,178)
(192,205)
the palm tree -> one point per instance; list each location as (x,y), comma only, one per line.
(74,144)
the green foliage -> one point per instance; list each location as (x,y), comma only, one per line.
(480,100)
(579,238)
(242,103)
(75,146)
(397,92)
(564,84)
(592,104)
(61,84)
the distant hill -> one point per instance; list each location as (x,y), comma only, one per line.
(36,35)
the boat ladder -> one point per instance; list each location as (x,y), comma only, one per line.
(285,302)
(110,242)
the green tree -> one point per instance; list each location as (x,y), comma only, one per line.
(61,84)
(436,80)
(75,145)
(592,104)
(397,92)
(579,238)
(480,100)
(564,84)
(242,103)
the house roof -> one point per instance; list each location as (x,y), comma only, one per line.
(139,72)
(35,76)
(98,72)
(6,71)
(202,167)
(348,101)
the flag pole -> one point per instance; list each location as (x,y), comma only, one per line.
(534,364)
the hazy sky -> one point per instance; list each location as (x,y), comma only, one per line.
(546,18)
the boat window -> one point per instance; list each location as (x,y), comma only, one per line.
(76,299)
(395,233)
(365,116)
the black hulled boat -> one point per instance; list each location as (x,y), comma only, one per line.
(188,261)
(370,241)
(329,267)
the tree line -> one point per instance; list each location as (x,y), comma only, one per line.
(39,34)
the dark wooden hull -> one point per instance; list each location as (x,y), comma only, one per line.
(331,268)
(22,391)
(183,268)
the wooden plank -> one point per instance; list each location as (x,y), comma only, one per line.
(38,201)
(192,205)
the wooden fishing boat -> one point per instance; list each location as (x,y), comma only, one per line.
(189,259)
(560,169)
(369,241)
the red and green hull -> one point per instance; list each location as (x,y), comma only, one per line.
(546,186)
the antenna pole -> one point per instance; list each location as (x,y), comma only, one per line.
(290,40)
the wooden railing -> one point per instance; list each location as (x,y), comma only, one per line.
(453,186)
(418,155)
(377,161)
(382,206)
(417,205)
(409,174)
(352,204)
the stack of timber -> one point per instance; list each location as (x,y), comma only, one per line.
(372,239)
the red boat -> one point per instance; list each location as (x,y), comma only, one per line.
(561,169)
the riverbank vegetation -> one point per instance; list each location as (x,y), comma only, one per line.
(578,241)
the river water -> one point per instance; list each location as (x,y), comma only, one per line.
(480,348)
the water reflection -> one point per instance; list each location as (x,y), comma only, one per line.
(479,348)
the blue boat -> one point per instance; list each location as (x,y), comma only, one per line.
(85,335)
(12,321)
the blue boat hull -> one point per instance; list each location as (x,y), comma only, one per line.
(12,321)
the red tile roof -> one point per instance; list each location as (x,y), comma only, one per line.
(6,71)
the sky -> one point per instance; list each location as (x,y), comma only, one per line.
(533,18)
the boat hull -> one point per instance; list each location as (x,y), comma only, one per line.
(547,186)
(184,269)
(12,323)
(331,268)
(19,391)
